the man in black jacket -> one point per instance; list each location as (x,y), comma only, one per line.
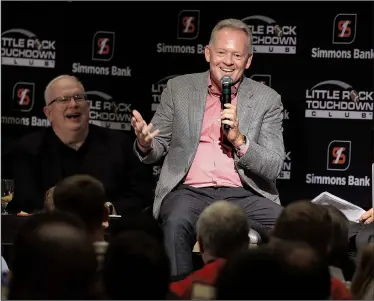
(74,146)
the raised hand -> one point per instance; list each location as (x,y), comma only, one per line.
(142,130)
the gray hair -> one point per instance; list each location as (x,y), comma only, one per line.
(223,228)
(56,79)
(234,24)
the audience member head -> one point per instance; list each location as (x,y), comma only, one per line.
(222,228)
(229,51)
(339,241)
(67,108)
(294,271)
(305,221)
(84,196)
(53,259)
(136,266)
(48,200)
(141,221)
(363,280)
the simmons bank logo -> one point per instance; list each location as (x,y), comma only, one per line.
(344,30)
(23,99)
(103,46)
(188,24)
(102,51)
(268,37)
(188,28)
(105,112)
(338,161)
(339,155)
(332,99)
(21,47)
(157,89)
(23,96)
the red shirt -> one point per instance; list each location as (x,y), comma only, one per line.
(339,291)
(206,275)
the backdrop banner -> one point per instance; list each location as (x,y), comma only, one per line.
(312,53)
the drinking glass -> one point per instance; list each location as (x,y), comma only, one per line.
(7,189)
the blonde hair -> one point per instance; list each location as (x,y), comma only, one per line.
(56,79)
(233,24)
(363,278)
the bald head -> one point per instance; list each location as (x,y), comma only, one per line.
(61,81)
(67,109)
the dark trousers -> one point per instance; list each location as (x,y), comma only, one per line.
(360,234)
(365,236)
(181,208)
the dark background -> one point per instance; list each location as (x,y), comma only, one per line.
(139,26)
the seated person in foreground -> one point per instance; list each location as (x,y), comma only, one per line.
(136,267)
(74,146)
(84,197)
(307,222)
(53,259)
(293,271)
(222,230)
(363,281)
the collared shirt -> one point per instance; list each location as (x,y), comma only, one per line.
(214,162)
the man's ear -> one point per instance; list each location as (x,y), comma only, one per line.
(47,113)
(207,53)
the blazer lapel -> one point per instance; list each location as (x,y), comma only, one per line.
(196,108)
(245,105)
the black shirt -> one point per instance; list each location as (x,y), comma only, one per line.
(41,159)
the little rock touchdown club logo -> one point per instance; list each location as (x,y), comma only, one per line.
(332,99)
(157,89)
(269,37)
(105,112)
(21,47)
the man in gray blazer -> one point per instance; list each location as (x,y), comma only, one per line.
(204,163)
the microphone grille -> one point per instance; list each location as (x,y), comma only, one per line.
(226,80)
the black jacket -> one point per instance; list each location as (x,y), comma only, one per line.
(39,160)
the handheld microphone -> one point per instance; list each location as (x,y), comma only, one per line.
(226,95)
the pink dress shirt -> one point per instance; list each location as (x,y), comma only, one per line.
(214,162)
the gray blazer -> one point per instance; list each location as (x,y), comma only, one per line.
(179,118)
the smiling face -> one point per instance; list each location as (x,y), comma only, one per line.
(67,108)
(228,54)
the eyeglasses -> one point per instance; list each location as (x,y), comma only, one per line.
(79,98)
